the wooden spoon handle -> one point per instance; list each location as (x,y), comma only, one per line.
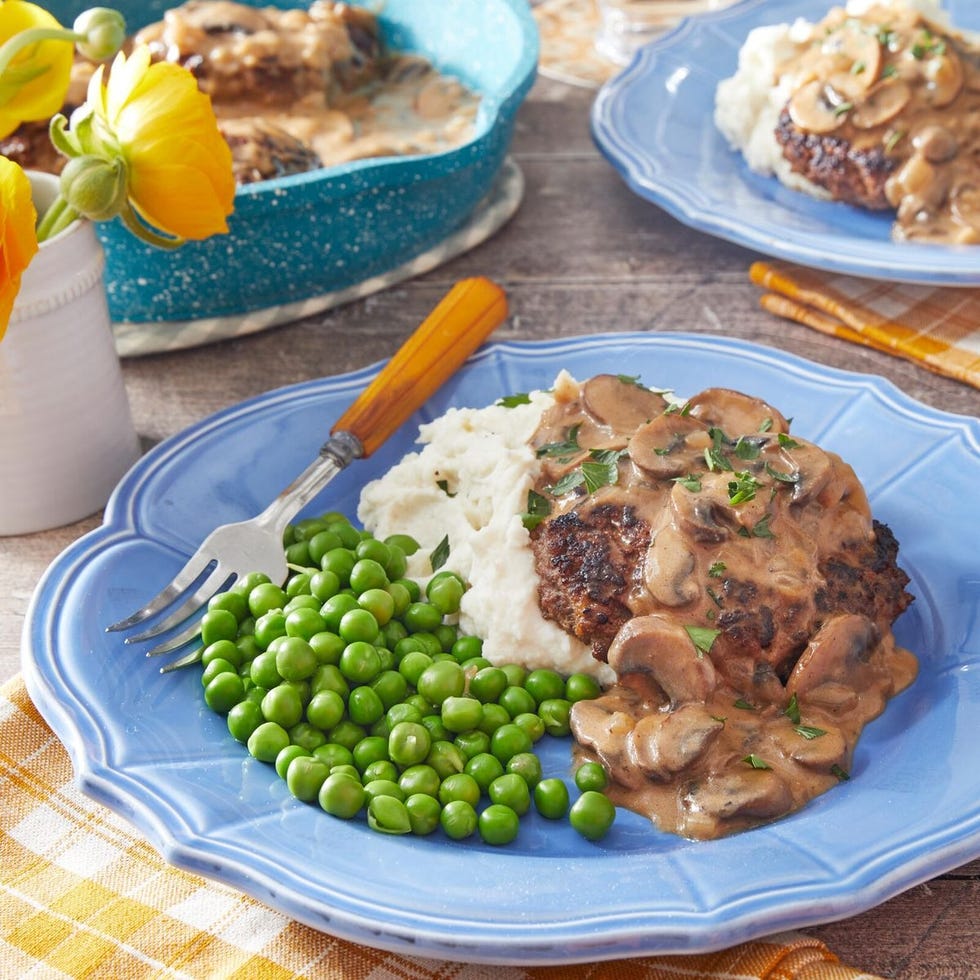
(464,318)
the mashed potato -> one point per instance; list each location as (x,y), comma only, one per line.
(482,459)
(748,104)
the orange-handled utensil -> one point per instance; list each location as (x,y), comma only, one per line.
(449,334)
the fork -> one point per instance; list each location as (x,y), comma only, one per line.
(461,321)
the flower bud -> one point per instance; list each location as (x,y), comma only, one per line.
(104,30)
(94,187)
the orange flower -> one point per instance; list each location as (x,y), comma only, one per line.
(178,165)
(18,241)
(34,84)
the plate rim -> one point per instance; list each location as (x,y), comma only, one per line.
(187,852)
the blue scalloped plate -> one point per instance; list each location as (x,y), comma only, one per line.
(654,122)
(145,745)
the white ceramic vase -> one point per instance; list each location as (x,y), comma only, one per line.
(66,433)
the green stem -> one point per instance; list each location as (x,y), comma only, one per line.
(35,35)
(57,218)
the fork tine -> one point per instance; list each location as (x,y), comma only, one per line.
(194,567)
(192,657)
(193,629)
(216,578)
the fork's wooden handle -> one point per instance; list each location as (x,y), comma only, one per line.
(464,318)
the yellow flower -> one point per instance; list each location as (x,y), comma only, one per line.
(18,242)
(178,165)
(36,81)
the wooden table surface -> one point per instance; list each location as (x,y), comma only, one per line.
(582,255)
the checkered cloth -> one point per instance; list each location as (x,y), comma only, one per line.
(81,895)
(936,327)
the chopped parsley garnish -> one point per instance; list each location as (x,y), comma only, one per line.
(760,529)
(842,774)
(443,485)
(717,569)
(690,482)
(742,489)
(894,138)
(565,451)
(538,508)
(889,71)
(744,705)
(792,710)
(702,637)
(630,379)
(675,408)
(567,483)
(755,762)
(809,732)
(747,448)
(781,476)
(765,425)
(440,554)
(715,598)
(786,442)
(512,401)
(715,459)
(858,68)
(842,108)
(601,469)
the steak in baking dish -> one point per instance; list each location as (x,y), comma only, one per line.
(726,570)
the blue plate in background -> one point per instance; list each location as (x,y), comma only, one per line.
(145,745)
(301,236)
(654,122)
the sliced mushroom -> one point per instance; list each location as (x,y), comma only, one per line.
(819,751)
(884,101)
(936,143)
(834,653)
(965,205)
(858,51)
(812,110)
(665,743)
(706,514)
(604,732)
(668,569)
(944,78)
(658,448)
(755,793)
(657,646)
(736,413)
(619,403)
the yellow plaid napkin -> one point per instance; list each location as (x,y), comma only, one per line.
(937,327)
(81,895)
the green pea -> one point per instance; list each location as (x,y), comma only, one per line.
(216,667)
(298,553)
(494,716)
(339,562)
(531,723)
(360,662)
(391,687)
(458,820)
(305,621)
(423,813)
(413,587)
(431,645)
(324,585)
(388,815)
(459,786)
(420,779)
(308,527)
(380,769)
(409,743)
(265,598)
(308,736)
(516,674)
(320,544)
(461,714)
(243,719)
(268,627)
(551,798)
(373,549)
(528,766)
(328,677)
(305,776)
(383,787)
(511,790)
(348,534)
(543,684)
(592,814)
(359,625)
(247,647)
(248,582)
(440,680)
(379,604)
(371,748)
(446,634)
(333,754)
(555,714)
(364,706)
(466,648)
(472,743)
(224,692)
(283,705)
(301,602)
(413,664)
(437,730)
(517,701)
(591,775)
(327,647)
(405,542)
(346,733)
(233,602)
(400,601)
(367,574)
(222,650)
(267,741)
(286,755)
(325,710)
(402,712)
(341,795)
(445,758)
(484,768)
(349,770)
(498,824)
(295,659)
(421,617)
(508,740)
(218,624)
(397,563)
(444,594)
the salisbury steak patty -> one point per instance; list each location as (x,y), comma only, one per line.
(848,173)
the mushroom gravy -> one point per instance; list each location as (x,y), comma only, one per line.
(897,98)
(733,577)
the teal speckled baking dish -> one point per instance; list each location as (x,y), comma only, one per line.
(312,233)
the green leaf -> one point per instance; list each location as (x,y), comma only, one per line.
(538,508)
(792,710)
(745,705)
(747,448)
(512,401)
(567,483)
(564,451)
(690,482)
(842,774)
(761,527)
(702,637)
(742,489)
(786,442)
(715,459)
(717,569)
(781,476)
(440,554)
(755,762)
(809,732)
(443,485)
